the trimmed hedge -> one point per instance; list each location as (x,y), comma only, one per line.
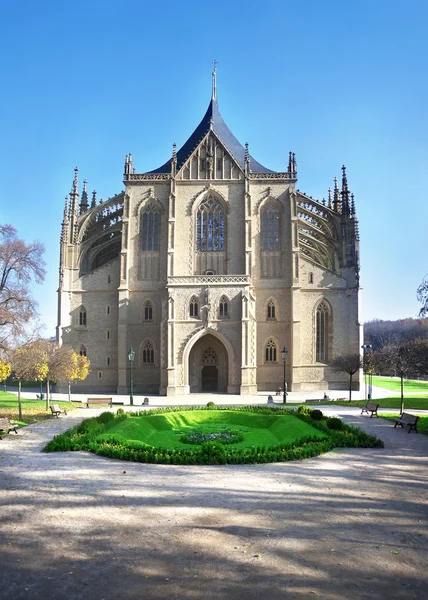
(93,435)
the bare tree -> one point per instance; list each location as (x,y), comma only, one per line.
(20,265)
(422,296)
(406,360)
(348,363)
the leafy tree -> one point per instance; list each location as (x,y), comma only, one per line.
(20,265)
(381,333)
(5,370)
(28,363)
(348,363)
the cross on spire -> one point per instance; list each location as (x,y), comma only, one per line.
(214,93)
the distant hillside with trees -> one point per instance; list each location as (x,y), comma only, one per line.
(381,333)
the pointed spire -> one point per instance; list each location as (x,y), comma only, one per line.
(290,162)
(64,224)
(214,74)
(294,165)
(345,192)
(336,196)
(352,205)
(74,195)
(128,164)
(84,202)
(329,197)
(94,199)
(247,154)
(174,152)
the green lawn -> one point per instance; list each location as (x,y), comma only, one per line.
(422,423)
(394,384)
(165,430)
(32,410)
(416,402)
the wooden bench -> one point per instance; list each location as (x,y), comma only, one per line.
(104,401)
(6,425)
(370,407)
(409,420)
(56,410)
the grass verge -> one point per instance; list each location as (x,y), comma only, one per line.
(32,410)
(394,384)
(422,422)
(127,436)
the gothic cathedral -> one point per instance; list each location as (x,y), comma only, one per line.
(207,267)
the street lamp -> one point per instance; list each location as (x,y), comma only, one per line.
(368,395)
(131,356)
(284,353)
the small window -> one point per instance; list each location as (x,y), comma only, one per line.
(148,311)
(310,277)
(223,307)
(108,310)
(82,317)
(271,312)
(194,308)
(202,164)
(219,164)
(270,352)
(100,374)
(83,351)
(108,279)
(108,334)
(148,354)
(108,361)
(210,272)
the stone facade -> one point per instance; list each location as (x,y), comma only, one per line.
(207,267)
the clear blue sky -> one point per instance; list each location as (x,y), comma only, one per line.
(86,82)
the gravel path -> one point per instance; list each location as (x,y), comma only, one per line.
(350,524)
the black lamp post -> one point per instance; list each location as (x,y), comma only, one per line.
(284,353)
(131,356)
(368,395)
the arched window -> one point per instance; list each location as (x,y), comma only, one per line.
(310,277)
(223,308)
(270,228)
(194,307)
(149,228)
(82,317)
(148,353)
(210,226)
(148,311)
(270,351)
(83,351)
(322,327)
(271,310)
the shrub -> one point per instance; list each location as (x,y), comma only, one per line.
(335,424)
(213,453)
(305,410)
(210,404)
(120,413)
(316,415)
(106,417)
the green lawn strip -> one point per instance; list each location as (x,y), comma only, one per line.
(422,425)
(415,402)
(144,437)
(394,384)
(32,410)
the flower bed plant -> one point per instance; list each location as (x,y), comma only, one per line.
(296,434)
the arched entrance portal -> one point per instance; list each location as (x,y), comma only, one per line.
(208,366)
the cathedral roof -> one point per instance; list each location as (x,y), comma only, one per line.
(213,120)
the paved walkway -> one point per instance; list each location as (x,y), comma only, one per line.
(350,524)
